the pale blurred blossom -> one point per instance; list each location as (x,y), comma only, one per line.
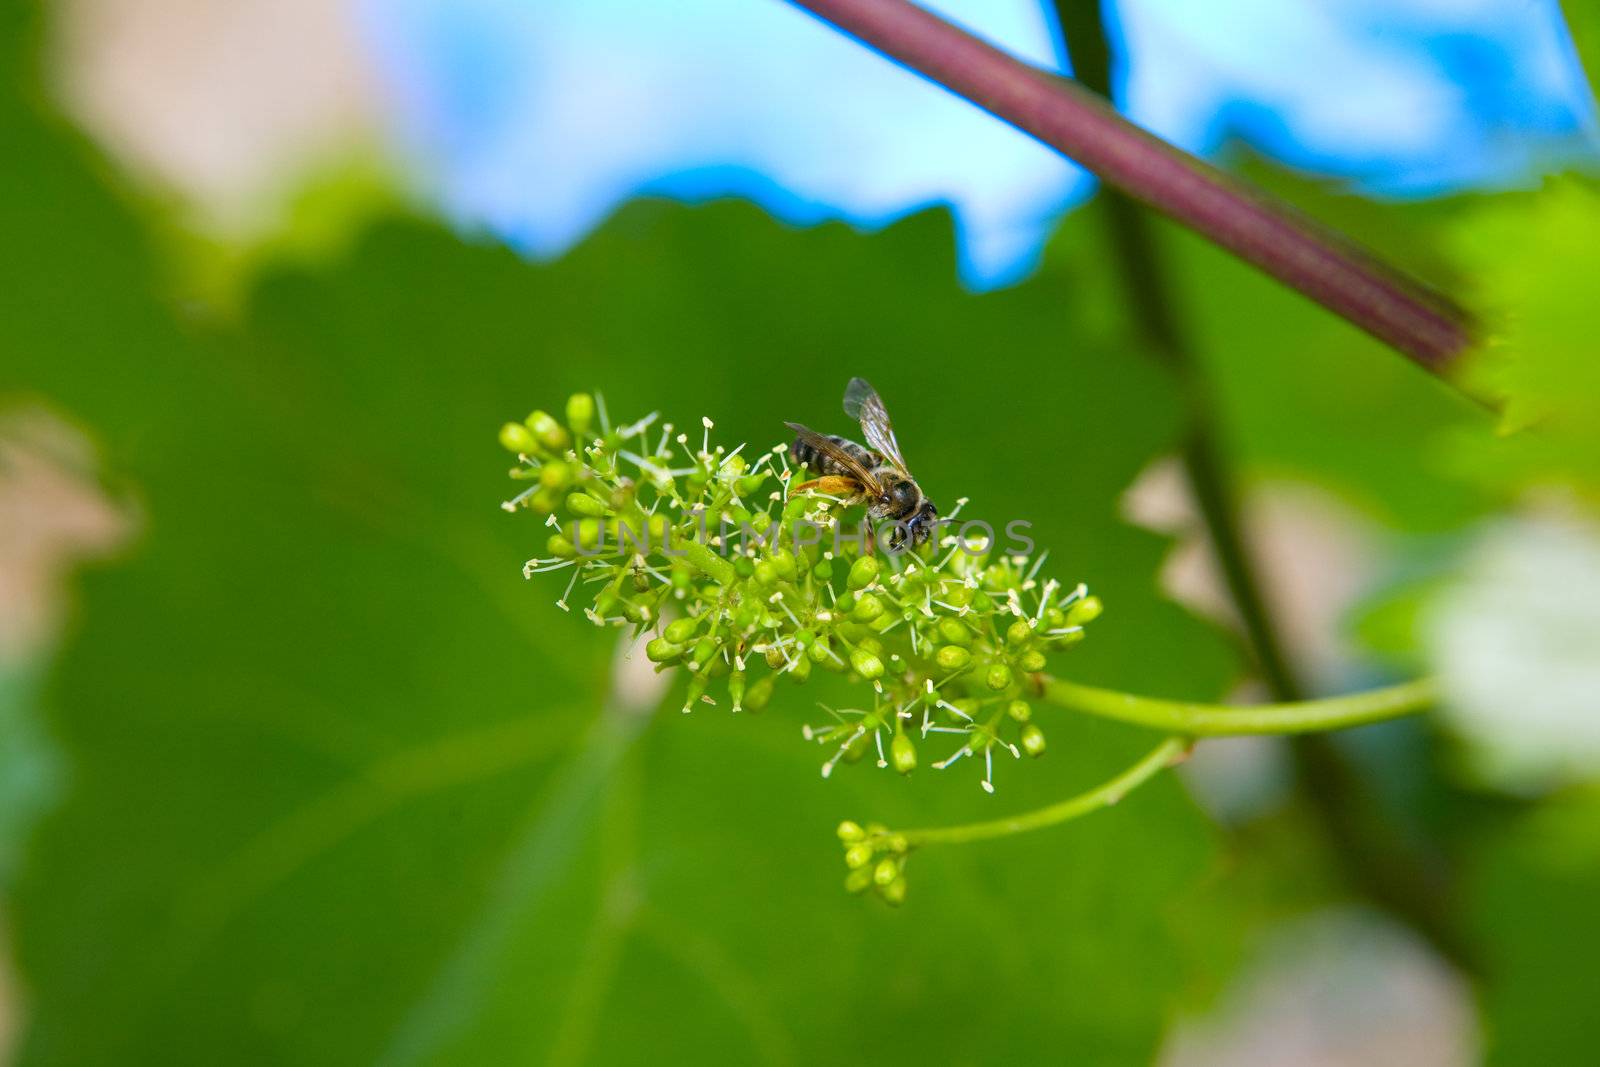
(1516,643)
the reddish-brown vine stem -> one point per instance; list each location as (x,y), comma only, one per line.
(1085,127)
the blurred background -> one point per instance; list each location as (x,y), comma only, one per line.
(296,768)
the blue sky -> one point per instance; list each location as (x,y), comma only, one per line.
(536,119)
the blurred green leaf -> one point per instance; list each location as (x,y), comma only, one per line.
(343,788)
(1534,890)
(30,772)
(1532,258)
(1583,21)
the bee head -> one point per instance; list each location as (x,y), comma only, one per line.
(922,524)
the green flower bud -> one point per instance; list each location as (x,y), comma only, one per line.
(954,632)
(679,631)
(580,412)
(766,574)
(959,596)
(583,504)
(884,623)
(903,754)
(697,689)
(1084,611)
(784,563)
(858,854)
(515,437)
(589,532)
(999,676)
(1032,661)
(868,607)
(858,880)
(801,670)
(560,547)
(886,871)
(953,657)
(750,484)
(547,430)
(736,689)
(857,749)
(866,664)
(747,615)
(819,650)
(705,651)
(850,831)
(894,893)
(863,572)
(1032,739)
(661,650)
(1019,710)
(775,658)
(1019,633)
(760,694)
(823,570)
(555,475)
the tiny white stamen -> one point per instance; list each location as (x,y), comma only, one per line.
(562,603)
(641,426)
(516,501)
(1034,570)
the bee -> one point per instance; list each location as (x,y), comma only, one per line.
(876,476)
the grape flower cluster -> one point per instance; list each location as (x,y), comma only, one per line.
(743,584)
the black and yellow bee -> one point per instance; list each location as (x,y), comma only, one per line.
(876,476)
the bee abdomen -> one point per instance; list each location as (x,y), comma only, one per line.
(803,453)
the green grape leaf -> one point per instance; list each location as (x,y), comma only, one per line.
(343,788)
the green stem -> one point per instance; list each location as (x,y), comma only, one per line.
(1218,720)
(708,562)
(1164,755)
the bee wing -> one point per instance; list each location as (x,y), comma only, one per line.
(845,460)
(862,402)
